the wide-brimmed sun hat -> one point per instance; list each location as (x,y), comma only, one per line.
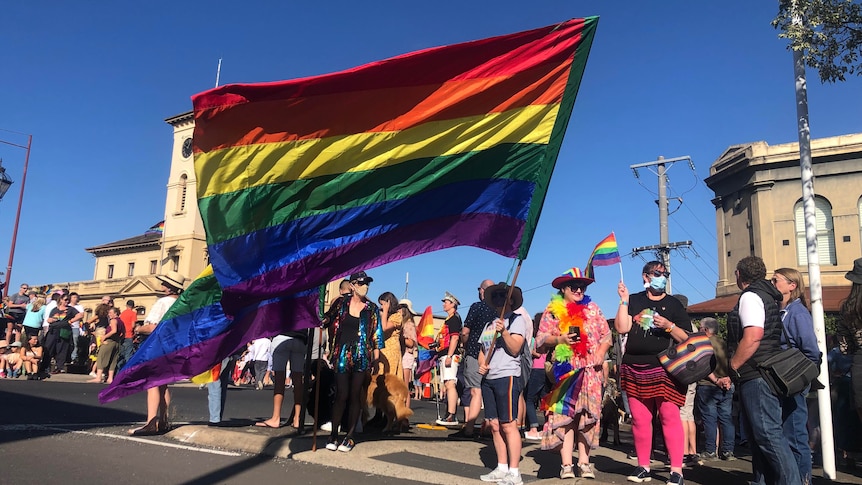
(173,279)
(408,305)
(571,275)
(855,275)
(494,299)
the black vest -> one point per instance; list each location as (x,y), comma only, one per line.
(771,342)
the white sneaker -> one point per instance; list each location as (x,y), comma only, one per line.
(512,479)
(496,475)
(332,444)
(327,426)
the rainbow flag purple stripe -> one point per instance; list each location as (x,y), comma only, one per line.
(304,181)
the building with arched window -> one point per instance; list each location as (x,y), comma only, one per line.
(759,211)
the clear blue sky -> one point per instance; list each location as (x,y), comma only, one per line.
(94,81)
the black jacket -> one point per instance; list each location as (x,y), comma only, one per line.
(770,344)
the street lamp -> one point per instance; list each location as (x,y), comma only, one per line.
(5,181)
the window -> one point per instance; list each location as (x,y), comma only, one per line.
(825,232)
(154,266)
(110,271)
(131,269)
(859,211)
(182,192)
(176,260)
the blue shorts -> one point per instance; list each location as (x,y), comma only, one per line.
(501,398)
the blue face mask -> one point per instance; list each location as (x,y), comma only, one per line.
(658,283)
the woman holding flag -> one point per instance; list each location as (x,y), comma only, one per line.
(575,329)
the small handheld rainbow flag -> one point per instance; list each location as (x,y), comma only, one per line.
(606,253)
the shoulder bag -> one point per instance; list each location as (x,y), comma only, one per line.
(690,360)
(789,371)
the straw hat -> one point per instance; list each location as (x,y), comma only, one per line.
(404,302)
(173,279)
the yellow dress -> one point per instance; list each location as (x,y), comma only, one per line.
(390,354)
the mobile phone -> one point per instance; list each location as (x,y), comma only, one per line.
(575,331)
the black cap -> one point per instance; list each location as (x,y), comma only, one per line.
(361,277)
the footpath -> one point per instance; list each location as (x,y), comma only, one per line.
(428,455)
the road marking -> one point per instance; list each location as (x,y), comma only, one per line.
(24,427)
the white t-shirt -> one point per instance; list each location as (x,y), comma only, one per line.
(157,312)
(259,349)
(48,307)
(751,310)
(502,364)
(80,308)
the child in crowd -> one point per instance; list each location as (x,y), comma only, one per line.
(31,355)
(10,361)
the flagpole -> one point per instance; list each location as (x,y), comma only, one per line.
(317,387)
(503,311)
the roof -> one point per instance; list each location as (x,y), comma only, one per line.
(137,241)
(832,298)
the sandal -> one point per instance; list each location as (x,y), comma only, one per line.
(152,428)
(585,470)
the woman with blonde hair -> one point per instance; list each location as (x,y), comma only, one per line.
(34,316)
(408,342)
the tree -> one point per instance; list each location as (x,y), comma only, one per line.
(829,35)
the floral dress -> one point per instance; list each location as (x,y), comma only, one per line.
(390,355)
(577,391)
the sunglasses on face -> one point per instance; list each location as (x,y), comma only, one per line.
(776,279)
(660,273)
(575,288)
(361,283)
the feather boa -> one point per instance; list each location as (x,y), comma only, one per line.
(570,314)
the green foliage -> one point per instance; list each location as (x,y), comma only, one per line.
(829,35)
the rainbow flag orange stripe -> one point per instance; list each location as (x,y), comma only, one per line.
(605,253)
(323,176)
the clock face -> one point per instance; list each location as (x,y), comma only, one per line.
(187,148)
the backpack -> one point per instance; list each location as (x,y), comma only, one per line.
(525,357)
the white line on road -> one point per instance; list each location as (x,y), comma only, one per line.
(23,427)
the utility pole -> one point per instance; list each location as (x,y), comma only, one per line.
(662,250)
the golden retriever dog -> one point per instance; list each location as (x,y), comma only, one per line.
(388,393)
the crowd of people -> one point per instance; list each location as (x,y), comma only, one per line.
(543,378)
(45,332)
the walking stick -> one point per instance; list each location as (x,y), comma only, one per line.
(317,387)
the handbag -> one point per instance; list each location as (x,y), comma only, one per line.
(788,372)
(690,360)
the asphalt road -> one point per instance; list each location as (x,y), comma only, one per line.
(57,432)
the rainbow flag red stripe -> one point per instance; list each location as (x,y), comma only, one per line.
(323,176)
(605,253)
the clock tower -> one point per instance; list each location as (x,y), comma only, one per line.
(184,241)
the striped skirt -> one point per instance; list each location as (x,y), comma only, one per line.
(645,381)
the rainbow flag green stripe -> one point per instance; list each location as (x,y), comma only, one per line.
(303,181)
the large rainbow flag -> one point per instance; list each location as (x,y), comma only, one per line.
(605,253)
(303,181)
(195,335)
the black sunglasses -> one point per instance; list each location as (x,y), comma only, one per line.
(660,273)
(577,286)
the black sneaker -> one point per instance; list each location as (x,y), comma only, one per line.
(346,445)
(640,474)
(727,456)
(707,456)
(675,479)
(332,444)
(461,434)
(449,421)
